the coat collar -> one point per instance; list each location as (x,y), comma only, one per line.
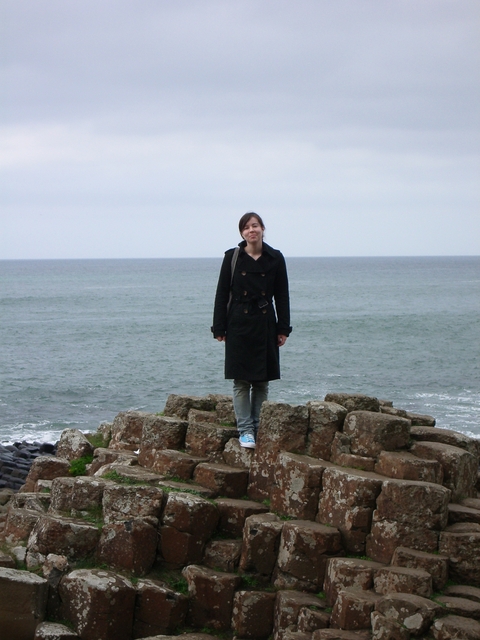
(266,248)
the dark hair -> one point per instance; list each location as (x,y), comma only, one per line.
(246,217)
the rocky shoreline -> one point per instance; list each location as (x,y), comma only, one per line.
(16,460)
(351,520)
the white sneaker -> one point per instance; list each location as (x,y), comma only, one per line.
(247,440)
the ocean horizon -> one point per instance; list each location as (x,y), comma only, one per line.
(83,339)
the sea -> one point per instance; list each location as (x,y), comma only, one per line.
(82,340)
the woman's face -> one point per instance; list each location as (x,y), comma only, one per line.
(252,231)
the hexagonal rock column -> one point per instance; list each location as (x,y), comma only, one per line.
(353,609)
(435,564)
(23,599)
(208,440)
(221,479)
(158,609)
(72,538)
(461,543)
(354,401)
(371,433)
(348,572)
(283,427)
(222,555)
(233,514)
(73,445)
(71,495)
(411,611)
(54,631)
(408,514)
(303,553)
(180,405)
(447,436)
(459,467)
(455,627)
(45,468)
(405,466)
(100,604)
(403,580)
(211,596)
(324,420)
(130,545)
(288,606)
(171,463)
(347,502)
(121,502)
(127,430)
(158,433)
(252,615)
(20,523)
(261,539)
(188,522)
(297,481)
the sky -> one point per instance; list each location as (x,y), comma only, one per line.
(146,128)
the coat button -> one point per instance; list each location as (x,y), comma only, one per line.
(244,273)
(262,274)
(264,311)
(263,293)
(245,311)
(245,293)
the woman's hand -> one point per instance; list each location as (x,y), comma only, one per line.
(281,340)
(221,338)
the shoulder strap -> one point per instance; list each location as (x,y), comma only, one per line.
(234,262)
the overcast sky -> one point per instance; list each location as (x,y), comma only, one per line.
(146,128)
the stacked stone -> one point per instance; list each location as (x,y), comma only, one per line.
(16,460)
(256,534)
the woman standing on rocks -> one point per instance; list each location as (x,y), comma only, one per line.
(252,317)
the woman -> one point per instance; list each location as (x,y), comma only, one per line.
(244,317)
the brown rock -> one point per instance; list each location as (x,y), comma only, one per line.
(283,427)
(353,608)
(180,405)
(205,439)
(158,609)
(297,481)
(461,513)
(233,514)
(463,591)
(418,419)
(312,618)
(158,433)
(386,535)
(460,606)
(73,445)
(304,550)
(463,550)
(324,420)
(54,631)
(188,522)
(455,628)
(131,474)
(342,455)
(19,525)
(222,555)
(354,401)
(6,561)
(76,495)
(404,580)
(130,545)
(211,596)
(261,539)
(384,628)
(198,415)
(253,614)
(347,502)
(99,603)
(423,504)
(288,605)
(406,466)
(45,468)
(33,501)
(236,456)
(447,436)
(459,467)
(225,412)
(371,432)
(72,538)
(23,599)
(221,479)
(172,463)
(436,565)
(103,456)
(413,612)
(342,573)
(123,502)
(127,430)
(393,411)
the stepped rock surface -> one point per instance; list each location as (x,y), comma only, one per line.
(350,519)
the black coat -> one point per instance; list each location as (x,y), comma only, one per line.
(252,323)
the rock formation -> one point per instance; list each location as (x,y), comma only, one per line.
(351,519)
